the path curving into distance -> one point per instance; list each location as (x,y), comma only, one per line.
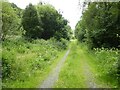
(53,76)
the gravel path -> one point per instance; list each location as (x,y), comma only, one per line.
(90,79)
(53,76)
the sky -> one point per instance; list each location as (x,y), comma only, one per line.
(70,8)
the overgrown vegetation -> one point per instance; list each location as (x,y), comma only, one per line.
(100,25)
(46,22)
(41,21)
(99,29)
(32,40)
(22,59)
(85,68)
(107,64)
(10,20)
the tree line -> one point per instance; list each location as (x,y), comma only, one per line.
(100,25)
(34,22)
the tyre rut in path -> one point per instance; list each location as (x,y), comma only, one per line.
(89,74)
(53,76)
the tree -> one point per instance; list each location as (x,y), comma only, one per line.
(80,31)
(48,16)
(31,22)
(101,23)
(17,10)
(9,19)
(53,24)
(44,21)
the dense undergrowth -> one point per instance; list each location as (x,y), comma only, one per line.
(23,59)
(106,63)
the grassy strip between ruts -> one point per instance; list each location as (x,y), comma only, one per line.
(69,76)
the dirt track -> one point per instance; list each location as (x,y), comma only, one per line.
(53,76)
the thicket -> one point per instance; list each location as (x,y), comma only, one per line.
(41,21)
(99,29)
(100,25)
(44,21)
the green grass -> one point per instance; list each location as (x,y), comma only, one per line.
(35,80)
(25,64)
(75,73)
(70,76)
(107,60)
